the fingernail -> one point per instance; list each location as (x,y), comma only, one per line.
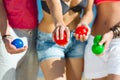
(100,43)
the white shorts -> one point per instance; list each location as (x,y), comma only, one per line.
(101,66)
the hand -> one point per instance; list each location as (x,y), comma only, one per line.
(106,39)
(83,37)
(11,48)
(59,31)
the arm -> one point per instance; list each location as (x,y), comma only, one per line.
(86,20)
(3,20)
(4,29)
(88,13)
(56,11)
(114,32)
(57,16)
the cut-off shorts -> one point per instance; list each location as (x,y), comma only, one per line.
(47,48)
(101,66)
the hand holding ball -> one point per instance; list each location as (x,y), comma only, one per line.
(63,41)
(96,48)
(81,30)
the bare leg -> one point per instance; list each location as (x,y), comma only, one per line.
(74,68)
(113,77)
(104,78)
(54,69)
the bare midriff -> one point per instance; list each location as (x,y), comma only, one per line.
(108,14)
(71,19)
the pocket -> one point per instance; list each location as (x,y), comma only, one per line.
(44,40)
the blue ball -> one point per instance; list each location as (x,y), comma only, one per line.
(18,43)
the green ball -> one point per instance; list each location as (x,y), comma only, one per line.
(97,49)
(97,39)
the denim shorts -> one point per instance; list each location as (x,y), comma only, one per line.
(47,48)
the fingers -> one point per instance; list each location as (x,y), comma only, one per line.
(13,50)
(77,36)
(68,33)
(55,33)
(59,32)
(82,36)
(104,42)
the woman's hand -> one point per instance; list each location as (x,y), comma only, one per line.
(106,39)
(83,37)
(59,32)
(11,48)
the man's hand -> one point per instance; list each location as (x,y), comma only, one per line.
(11,48)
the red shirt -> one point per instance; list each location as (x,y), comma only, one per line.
(21,14)
(102,1)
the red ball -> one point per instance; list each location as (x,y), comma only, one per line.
(81,30)
(63,41)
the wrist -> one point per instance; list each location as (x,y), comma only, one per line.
(83,23)
(6,36)
(59,24)
(111,33)
(116,31)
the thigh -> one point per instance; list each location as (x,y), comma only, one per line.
(54,69)
(113,77)
(104,78)
(27,67)
(74,68)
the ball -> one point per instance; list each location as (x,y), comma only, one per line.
(63,41)
(18,43)
(81,30)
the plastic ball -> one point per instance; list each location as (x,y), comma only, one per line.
(97,39)
(18,43)
(97,49)
(81,30)
(63,41)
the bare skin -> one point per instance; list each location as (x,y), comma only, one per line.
(70,68)
(108,15)
(4,30)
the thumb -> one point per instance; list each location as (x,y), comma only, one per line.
(102,42)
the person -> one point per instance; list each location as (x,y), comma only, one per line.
(59,16)
(105,66)
(18,19)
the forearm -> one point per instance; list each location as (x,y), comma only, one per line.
(88,13)
(3,20)
(87,17)
(56,11)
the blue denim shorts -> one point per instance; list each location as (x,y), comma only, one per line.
(46,48)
